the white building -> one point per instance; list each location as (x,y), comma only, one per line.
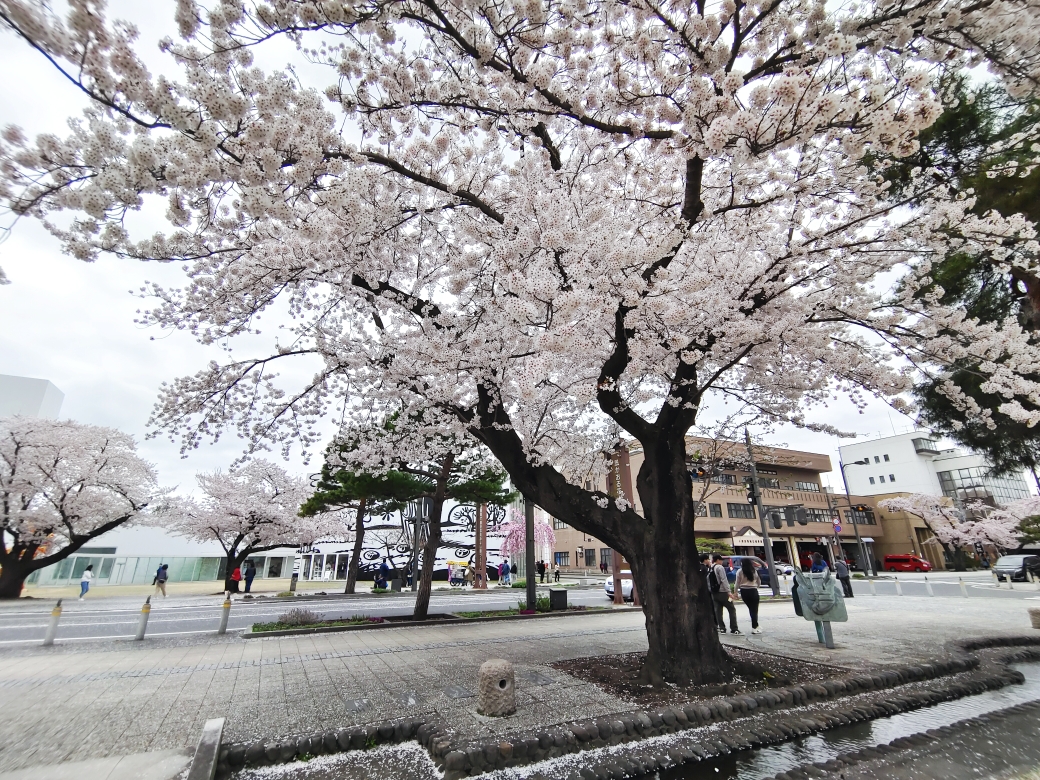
(29,397)
(917,463)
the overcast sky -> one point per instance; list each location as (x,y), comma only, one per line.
(72,322)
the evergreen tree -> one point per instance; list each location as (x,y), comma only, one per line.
(957,150)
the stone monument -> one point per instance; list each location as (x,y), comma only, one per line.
(496,688)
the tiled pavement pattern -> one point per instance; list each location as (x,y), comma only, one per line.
(91,700)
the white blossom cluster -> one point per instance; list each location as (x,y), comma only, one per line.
(976,523)
(252,508)
(63,482)
(549,221)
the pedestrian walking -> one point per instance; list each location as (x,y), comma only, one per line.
(718,584)
(556,572)
(469,576)
(841,571)
(408,573)
(84,581)
(161,575)
(819,565)
(748,583)
(705,561)
(512,574)
(251,573)
(236,578)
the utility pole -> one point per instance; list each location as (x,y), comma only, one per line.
(757,495)
(532,596)
(868,565)
(481,581)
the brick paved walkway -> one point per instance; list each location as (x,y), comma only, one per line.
(116,698)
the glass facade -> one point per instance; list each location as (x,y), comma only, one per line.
(129,570)
(976,482)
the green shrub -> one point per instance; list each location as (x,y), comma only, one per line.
(300,617)
(519,584)
(380,590)
(541,604)
(286,594)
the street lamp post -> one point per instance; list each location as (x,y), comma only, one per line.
(852,515)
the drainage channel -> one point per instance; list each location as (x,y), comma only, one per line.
(765,762)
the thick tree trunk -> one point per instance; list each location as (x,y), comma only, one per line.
(683,641)
(429,559)
(359,541)
(234,561)
(12,576)
(433,542)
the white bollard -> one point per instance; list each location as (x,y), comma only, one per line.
(142,624)
(873,590)
(996,581)
(928,585)
(52,628)
(226,613)
(964,588)
(899,588)
(785,591)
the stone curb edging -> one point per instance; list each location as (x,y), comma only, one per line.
(897,746)
(413,623)
(207,752)
(460,760)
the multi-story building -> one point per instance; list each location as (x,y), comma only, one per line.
(915,463)
(787,478)
(29,397)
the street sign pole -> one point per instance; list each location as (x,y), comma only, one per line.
(773,580)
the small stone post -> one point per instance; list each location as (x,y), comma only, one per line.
(52,628)
(928,585)
(899,588)
(142,624)
(226,613)
(964,589)
(496,688)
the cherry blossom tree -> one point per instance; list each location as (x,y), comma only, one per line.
(63,483)
(514,532)
(554,221)
(957,528)
(248,511)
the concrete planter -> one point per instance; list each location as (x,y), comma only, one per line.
(1034,617)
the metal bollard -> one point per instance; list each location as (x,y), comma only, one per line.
(1011,585)
(928,585)
(785,591)
(899,588)
(52,629)
(142,624)
(996,582)
(964,588)
(873,590)
(226,613)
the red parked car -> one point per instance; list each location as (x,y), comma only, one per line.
(906,563)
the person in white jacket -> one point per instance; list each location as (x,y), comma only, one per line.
(84,581)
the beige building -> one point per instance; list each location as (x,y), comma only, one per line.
(787,478)
(906,534)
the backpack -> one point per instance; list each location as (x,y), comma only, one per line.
(714,586)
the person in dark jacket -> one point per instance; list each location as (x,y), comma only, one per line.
(841,571)
(819,565)
(161,575)
(250,573)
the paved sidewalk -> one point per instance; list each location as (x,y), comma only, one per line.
(98,700)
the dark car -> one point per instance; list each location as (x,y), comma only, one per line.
(732,564)
(1016,567)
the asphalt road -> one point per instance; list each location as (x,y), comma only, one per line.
(25,623)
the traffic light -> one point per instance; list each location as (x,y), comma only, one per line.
(752,490)
(861,508)
(775,519)
(796,514)
(700,473)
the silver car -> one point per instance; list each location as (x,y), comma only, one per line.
(626,585)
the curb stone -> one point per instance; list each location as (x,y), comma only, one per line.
(460,759)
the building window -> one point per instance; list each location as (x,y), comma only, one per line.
(812,487)
(882,478)
(563,559)
(817,515)
(769,482)
(886,459)
(700,509)
(715,510)
(871,480)
(765,471)
(724,479)
(860,518)
(590,556)
(559,525)
(891,477)
(741,511)
(977,483)
(606,555)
